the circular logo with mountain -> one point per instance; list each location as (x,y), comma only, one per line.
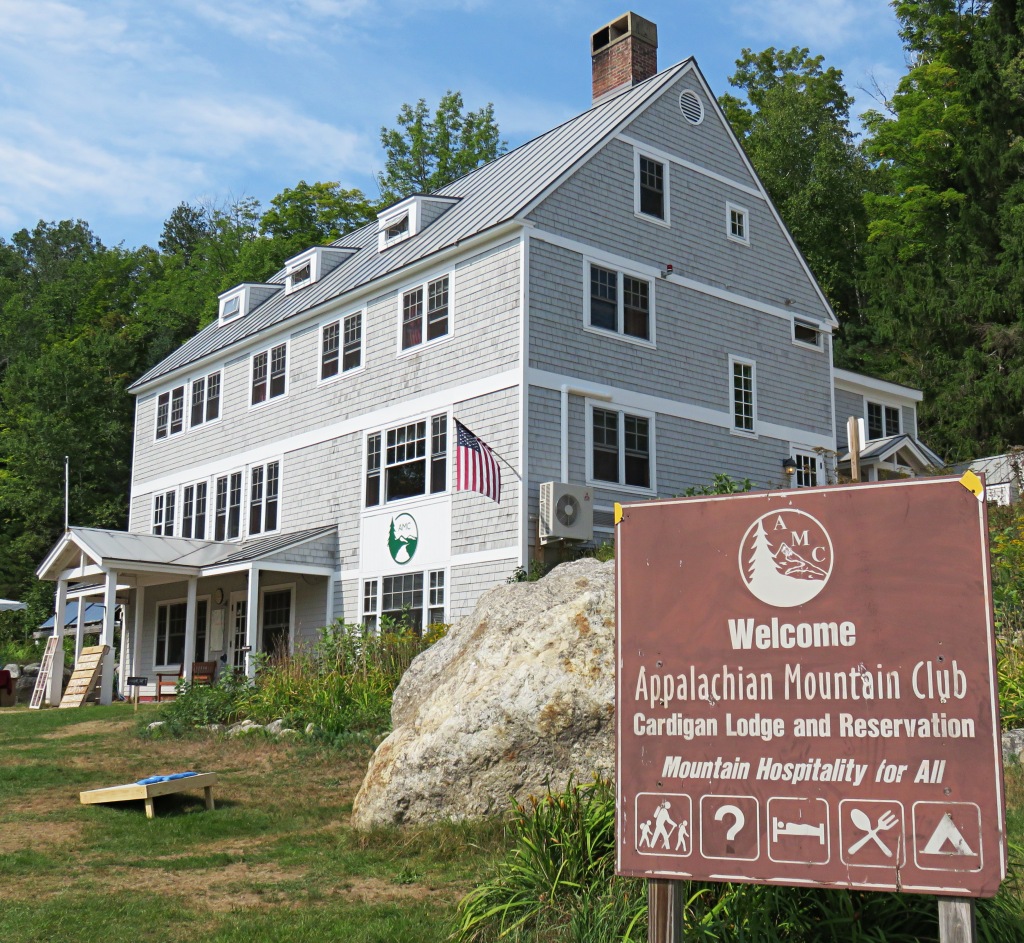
(403,536)
(786,558)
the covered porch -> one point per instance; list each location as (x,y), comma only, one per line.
(189,601)
(898,456)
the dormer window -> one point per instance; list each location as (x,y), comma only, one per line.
(397,230)
(312,265)
(299,276)
(231,308)
(240,300)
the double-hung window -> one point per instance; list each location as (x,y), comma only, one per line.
(425,313)
(651,188)
(883,421)
(228,509)
(193,510)
(807,469)
(411,459)
(405,600)
(170,633)
(264,491)
(163,513)
(620,448)
(170,412)
(743,377)
(269,373)
(205,399)
(620,303)
(341,346)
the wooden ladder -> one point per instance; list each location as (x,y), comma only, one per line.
(43,678)
(84,677)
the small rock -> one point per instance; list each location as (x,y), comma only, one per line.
(243,727)
(15,670)
(275,726)
(312,730)
(156,725)
(288,733)
(212,728)
(1013,745)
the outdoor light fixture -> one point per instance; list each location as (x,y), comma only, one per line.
(667,270)
(789,465)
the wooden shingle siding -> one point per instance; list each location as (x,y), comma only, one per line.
(310,610)
(909,420)
(484,326)
(707,144)
(346,601)
(696,333)
(847,404)
(468,583)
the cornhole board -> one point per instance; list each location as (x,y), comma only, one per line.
(83,679)
(135,791)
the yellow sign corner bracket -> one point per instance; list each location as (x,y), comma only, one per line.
(618,512)
(973,484)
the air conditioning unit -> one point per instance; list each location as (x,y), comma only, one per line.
(566,512)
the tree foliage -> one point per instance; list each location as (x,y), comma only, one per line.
(794,125)
(424,153)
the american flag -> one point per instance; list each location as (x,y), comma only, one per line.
(477,467)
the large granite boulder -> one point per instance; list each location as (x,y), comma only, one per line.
(519,694)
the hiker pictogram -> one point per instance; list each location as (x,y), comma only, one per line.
(663,824)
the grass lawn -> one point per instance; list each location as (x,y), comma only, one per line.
(276,861)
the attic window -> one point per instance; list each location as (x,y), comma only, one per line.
(804,332)
(299,276)
(397,229)
(231,307)
(691,106)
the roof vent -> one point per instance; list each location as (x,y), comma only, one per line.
(624,53)
(691,106)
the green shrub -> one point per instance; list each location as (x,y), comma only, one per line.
(558,882)
(343,684)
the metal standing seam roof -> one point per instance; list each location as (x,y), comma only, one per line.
(881,449)
(156,550)
(488,196)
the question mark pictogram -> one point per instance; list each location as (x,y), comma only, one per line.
(739,820)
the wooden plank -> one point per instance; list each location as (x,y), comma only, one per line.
(664,911)
(84,676)
(134,791)
(957,921)
(43,678)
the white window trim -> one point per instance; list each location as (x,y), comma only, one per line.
(162,493)
(379,576)
(243,509)
(437,341)
(314,257)
(247,497)
(206,391)
(410,207)
(618,334)
(819,463)
(382,431)
(186,389)
(287,373)
(591,405)
(158,666)
(210,498)
(340,321)
(666,179)
(813,325)
(242,294)
(883,402)
(731,208)
(746,361)
(278,588)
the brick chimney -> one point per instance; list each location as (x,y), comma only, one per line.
(625,52)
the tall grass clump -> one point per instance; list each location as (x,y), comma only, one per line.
(558,882)
(342,683)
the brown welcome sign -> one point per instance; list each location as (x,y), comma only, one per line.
(806,690)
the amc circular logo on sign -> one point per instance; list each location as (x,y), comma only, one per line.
(785,558)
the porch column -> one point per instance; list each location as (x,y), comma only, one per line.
(55,688)
(123,654)
(107,637)
(252,618)
(190,629)
(83,601)
(140,601)
(329,607)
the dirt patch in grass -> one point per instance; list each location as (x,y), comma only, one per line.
(88,728)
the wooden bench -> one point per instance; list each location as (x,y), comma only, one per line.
(135,791)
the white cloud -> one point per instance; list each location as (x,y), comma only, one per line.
(821,25)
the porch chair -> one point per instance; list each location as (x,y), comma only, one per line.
(203,672)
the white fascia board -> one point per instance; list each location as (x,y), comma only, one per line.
(862,384)
(669,407)
(353,298)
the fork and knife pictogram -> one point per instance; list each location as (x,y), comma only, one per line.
(860,818)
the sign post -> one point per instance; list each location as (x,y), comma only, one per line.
(136,683)
(806,691)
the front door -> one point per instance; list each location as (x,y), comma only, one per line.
(236,640)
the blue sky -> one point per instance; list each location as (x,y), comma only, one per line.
(115,111)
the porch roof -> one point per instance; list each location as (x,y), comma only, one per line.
(881,450)
(117,549)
